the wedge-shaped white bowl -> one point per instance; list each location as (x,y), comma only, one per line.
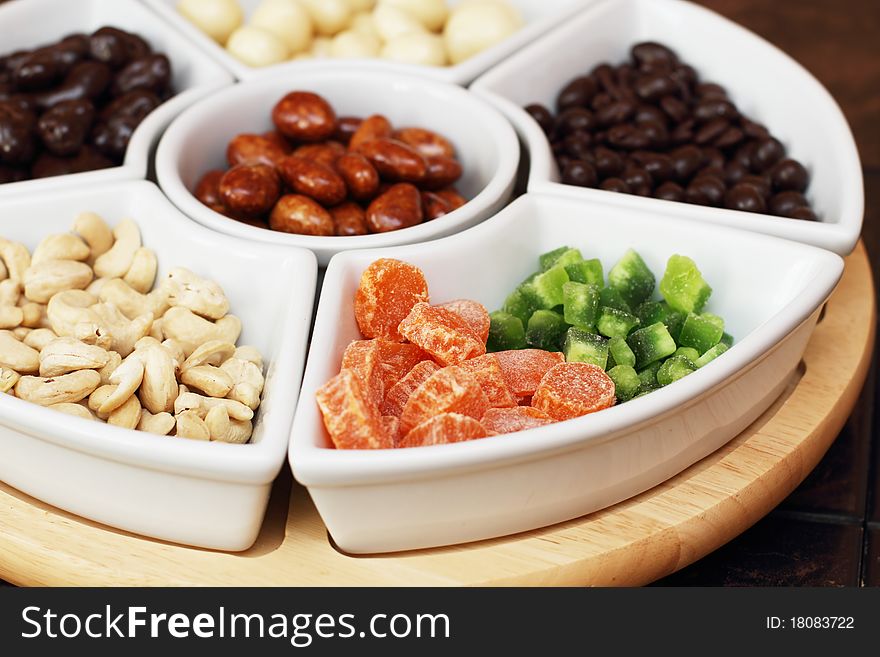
(210,495)
(485,144)
(766,84)
(539,17)
(27,25)
(768,290)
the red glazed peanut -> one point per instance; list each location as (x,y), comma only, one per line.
(208,191)
(249,189)
(426,142)
(349,219)
(394,160)
(312,179)
(399,207)
(325,153)
(304,116)
(373,127)
(442,172)
(295,213)
(359,175)
(253,149)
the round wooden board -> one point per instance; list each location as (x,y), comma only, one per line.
(634,542)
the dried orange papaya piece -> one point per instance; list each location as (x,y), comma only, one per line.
(362,358)
(523,369)
(387,292)
(396,359)
(573,389)
(488,373)
(442,429)
(518,418)
(449,390)
(399,393)
(350,416)
(392,428)
(442,333)
(473,313)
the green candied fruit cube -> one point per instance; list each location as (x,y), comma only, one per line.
(727,338)
(673,369)
(583,347)
(632,278)
(711,354)
(610,297)
(519,305)
(650,312)
(564,255)
(674,321)
(546,330)
(648,376)
(626,382)
(683,285)
(702,332)
(651,343)
(580,305)
(505,332)
(614,323)
(688,352)
(619,350)
(545,290)
(587,271)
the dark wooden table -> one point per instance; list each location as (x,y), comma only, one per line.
(827,533)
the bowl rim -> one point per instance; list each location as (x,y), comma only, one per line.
(839,236)
(170,146)
(321,466)
(137,155)
(460,74)
(249,463)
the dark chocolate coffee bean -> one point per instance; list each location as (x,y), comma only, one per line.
(712,157)
(580,173)
(151,73)
(38,71)
(710,131)
(64,128)
(745,198)
(645,113)
(109,47)
(730,137)
(712,108)
(615,185)
(683,133)
(761,183)
(710,90)
(669,191)
(754,130)
(705,190)
(577,93)
(685,161)
(601,100)
(734,172)
(111,137)
(804,213)
(789,174)
(654,86)
(135,104)
(628,137)
(652,55)
(674,108)
(578,145)
(784,204)
(658,165)
(656,132)
(614,113)
(574,119)
(767,153)
(608,163)
(543,117)
(86,80)
(10,174)
(744,154)
(636,177)
(16,134)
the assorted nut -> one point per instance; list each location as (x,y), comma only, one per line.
(318,174)
(650,127)
(426,32)
(86,332)
(73,105)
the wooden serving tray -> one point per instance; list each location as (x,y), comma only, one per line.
(631,543)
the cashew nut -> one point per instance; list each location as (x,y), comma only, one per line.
(191,401)
(8,379)
(114,360)
(190,425)
(161,424)
(10,317)
(20,332)
(16,257)
(227,430)
(97,285)
(247,381)
(212,352)
(43,280)
(211,380)
(203,297)
(176,350)
(16,355)
(116,262)
(32,314)
(95,232)
(142,273)
(73,409)
(4,273)
(39,338)
(159,386)
(64,355)
(55,390)
(128,415)
(100,395)
(156,330)
(69,308)
(190,330)
(10,292)
(124,332)
(131,302)
(127,377)
(249,353)
(62,246)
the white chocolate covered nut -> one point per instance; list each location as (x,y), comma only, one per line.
(286,19)
(477,25)
(361,5)
(392,22)
(354,45)
(416,48)
(216,18)
(257,47)
(329,16)
(431,14)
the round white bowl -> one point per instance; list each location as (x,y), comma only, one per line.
(486,146)
(211,495)
(39,22)
(765,83)
(539,17)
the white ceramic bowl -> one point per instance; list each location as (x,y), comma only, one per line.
(765,83)
(539,17)
(26,25)
(210,495)
(486,145)
(768,290)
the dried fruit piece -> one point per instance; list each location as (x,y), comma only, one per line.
(449,390)
(473,313)
(396,359)
(523,369)
(570,390)
(508,420)
(443,429)
(442,333)
(392,428)
(351,418)
(398,394)
(488,373)
(362,358)
(387,292)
